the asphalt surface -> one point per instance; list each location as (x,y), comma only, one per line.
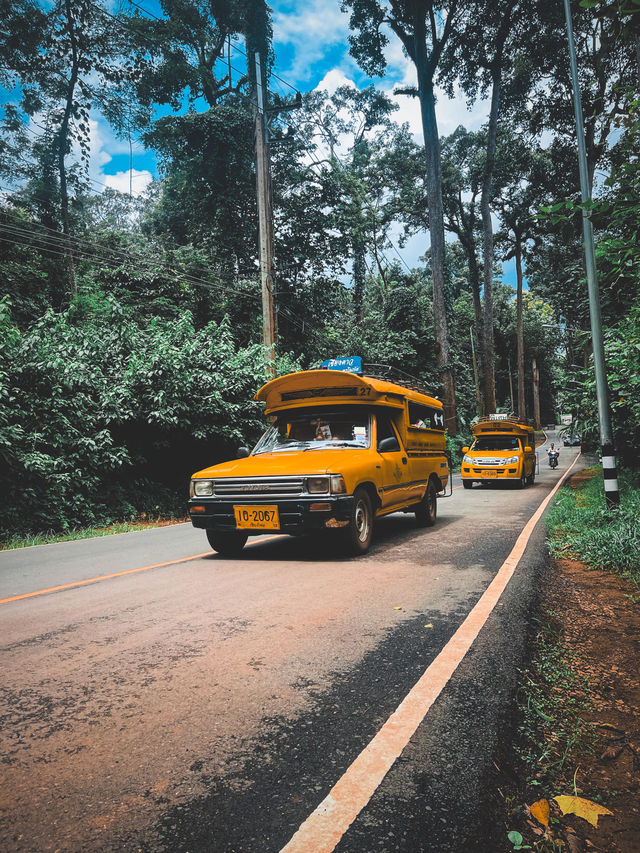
(210,704)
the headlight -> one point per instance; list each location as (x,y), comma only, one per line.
(468,460)
(512,460)
(202,488)
(338,485)
(317,485)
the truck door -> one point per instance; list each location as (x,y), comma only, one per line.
(394,464)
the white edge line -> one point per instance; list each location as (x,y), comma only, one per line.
(326,825)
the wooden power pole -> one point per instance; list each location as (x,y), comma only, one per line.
(265,223)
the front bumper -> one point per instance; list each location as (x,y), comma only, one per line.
(487,475)
(295,514)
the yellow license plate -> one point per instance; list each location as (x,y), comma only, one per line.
(257,517)
(489,473)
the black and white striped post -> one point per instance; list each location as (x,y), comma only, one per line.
(610,472)
(611,491)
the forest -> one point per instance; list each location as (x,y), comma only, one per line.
(131,340)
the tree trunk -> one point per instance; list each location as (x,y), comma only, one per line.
(62,142)
(359,274)
(469,246)
(436,229)
(522,409)
(487,246)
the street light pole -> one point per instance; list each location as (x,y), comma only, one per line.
(612,493)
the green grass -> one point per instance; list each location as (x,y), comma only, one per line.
(82,533)
(552,700)
(580,527)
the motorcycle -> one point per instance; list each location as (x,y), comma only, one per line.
(553,458)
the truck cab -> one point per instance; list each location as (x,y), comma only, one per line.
(341,450)
(503,450)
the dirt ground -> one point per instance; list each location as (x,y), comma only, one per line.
(598,614)
(601,625)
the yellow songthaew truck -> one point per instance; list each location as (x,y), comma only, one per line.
(503,450)
(342,450)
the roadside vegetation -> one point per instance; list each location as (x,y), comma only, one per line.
(85,533)
(581,528)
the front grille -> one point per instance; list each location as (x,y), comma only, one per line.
(491,461)
(260,487)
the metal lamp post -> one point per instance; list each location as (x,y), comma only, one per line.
(611,490)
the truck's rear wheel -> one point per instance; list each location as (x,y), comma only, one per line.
(359,531)
(427,510)
(227,544)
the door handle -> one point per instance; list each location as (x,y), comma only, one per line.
(404,460)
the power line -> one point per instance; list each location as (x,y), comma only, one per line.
(94,251)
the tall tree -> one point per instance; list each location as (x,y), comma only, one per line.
(483,56)
(61,63)
(423,27)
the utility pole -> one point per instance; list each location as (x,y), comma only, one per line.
(265,224)
(536,395)
(611,490)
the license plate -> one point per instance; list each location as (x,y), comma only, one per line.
(489,473)
(257,517)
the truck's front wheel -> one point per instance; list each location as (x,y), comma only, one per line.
(359,531)
(227,544)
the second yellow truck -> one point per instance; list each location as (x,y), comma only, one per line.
(503,450)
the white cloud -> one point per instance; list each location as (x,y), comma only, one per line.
(140,180)
(312,28)
(332,80)
(104,145)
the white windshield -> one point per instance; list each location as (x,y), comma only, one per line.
(315,431)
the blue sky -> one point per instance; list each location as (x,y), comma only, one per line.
(311,50)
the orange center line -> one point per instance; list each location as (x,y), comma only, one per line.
(113,575)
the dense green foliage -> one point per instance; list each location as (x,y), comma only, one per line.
(103,416)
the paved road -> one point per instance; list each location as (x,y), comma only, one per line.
(205,704)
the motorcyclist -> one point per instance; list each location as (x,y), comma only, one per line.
(553,452)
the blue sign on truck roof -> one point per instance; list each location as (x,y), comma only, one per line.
(350,364)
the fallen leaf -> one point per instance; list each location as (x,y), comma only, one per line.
(586,809)
(608,726)
(611,752)
(428,625)
(574,844)
(397,608)
(540,810)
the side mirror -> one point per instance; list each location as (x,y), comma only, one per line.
(388,445)
(528,449)
(243,452)
(465,449)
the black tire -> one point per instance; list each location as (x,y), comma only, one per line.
(467,484)
(427,510)
(227,544)
(359,531)
(532,477)
(522,482)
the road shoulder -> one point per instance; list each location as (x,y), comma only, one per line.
(596,618)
